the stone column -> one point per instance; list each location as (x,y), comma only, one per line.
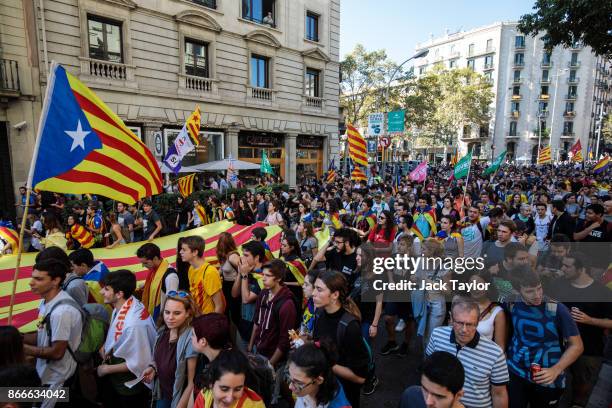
(230,141)
(290,159)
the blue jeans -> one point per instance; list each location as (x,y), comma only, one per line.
(163,403)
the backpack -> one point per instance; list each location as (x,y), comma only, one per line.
(298,316)
(95,325)
(69,280)
(551,307)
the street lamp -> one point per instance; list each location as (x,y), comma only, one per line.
(560,73)
(420,54)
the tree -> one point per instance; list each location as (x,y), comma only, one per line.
(364,80)
(443,102)
(566,21)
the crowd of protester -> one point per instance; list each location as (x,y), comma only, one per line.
(300,329)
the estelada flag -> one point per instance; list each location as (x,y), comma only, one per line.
(331,172)
(544,155)
(358,175)
(576,152)
(84,147)
(185,185)
(10,236)
(185,142)
(357,146)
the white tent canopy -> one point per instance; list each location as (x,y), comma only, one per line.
(219,165)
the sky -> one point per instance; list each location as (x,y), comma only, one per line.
(398,25)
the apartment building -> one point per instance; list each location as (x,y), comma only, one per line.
(541,98)
(265,74)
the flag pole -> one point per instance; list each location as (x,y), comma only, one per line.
(467,179)
(43,115)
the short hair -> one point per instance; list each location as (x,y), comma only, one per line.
(558,205)
(496,212)
(512,249)
(54,253)
(214,327)
(527,278)
(525,207)
(255,248)
(511,225)
(195,243)
(121,280)
(596,208)
(538,204)
(560,238)
(580,260)
(278,269)
(148,251)
(82,256)
(444,369)
(54,268)
(260,233)
(465,304)
(147,203)
(369,202)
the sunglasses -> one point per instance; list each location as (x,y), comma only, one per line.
(180,293)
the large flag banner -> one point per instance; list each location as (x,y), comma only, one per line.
(576,152)
(9,236)
(544,156)
(331,172)
(25,312)
(185,185)
(265,167)
(357,146)
(462,168)
(455,158)
(496,164)
(84,147)
(419,174)
(358,175)
(232,173)
(601,165)
(185,142)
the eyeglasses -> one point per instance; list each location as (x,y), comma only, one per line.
(464,324)
(338,242)
(298,386)
(180,293)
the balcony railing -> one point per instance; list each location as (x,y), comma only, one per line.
(518,64)
(546,64)
(259,21)
(573,64)
(517,97)
(567,133)
(570,96)
(515,114)
(107,70)
(9,77)
(488,66)
(313,102)
(519,46)
(573,80)
(512,135)
(261,94)
(196,85)
(544,97)
(569,114)
(206,3)
(545,81)
(516,81)
(543,114)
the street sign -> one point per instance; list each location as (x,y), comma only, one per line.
(371,146)
(395,121)
(375,124)
(385,141)
(158,143)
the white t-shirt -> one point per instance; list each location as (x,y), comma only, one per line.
(66,325)
(486,327)
(35,242)
(541,228)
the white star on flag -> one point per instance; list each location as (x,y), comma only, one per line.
(78,136)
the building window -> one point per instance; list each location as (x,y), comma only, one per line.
(471,49)
(542,125)
(260,11)
(196,58)
(543,107)
(260,77)
(519,41)
(489,77)
(312,82)
(489,45)
(572,91)
(206,3)
(519,59)
(568,128)
(104,39)
(422,70)
(488,61)
(516,90)
(569,107)
(517,75)
(544,90)
(515,107)
(574,58)
(513,128)
(312,26)
(545,73)
(546,58)
(572,75)
(452,64)
(470,64)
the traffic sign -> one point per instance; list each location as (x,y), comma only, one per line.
(385,141)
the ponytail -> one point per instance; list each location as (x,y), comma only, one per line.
(336,282)
(350,306)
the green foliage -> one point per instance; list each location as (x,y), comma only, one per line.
(566,21)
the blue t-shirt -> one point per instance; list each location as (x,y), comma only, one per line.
(538,337)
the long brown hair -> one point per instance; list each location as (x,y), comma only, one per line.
(336,282)
(225,246)
(190,305)
(367,260)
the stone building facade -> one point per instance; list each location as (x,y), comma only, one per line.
(264,72)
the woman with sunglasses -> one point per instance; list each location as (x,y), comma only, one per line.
(311,377)
(174,360)
(385,230)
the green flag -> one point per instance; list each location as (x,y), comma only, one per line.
(266,167)
(496,164)
(462,167)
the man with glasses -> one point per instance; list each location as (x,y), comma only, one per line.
(484,362)
(342,256)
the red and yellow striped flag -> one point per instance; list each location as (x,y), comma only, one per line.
(358,175)
(544,156)
(84,147)
(357,146)
(576,152)
(11,237)
(185,185)
(85,238)
(193,126)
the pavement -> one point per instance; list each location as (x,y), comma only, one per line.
(394,372)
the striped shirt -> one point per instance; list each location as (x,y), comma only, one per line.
(483,360)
